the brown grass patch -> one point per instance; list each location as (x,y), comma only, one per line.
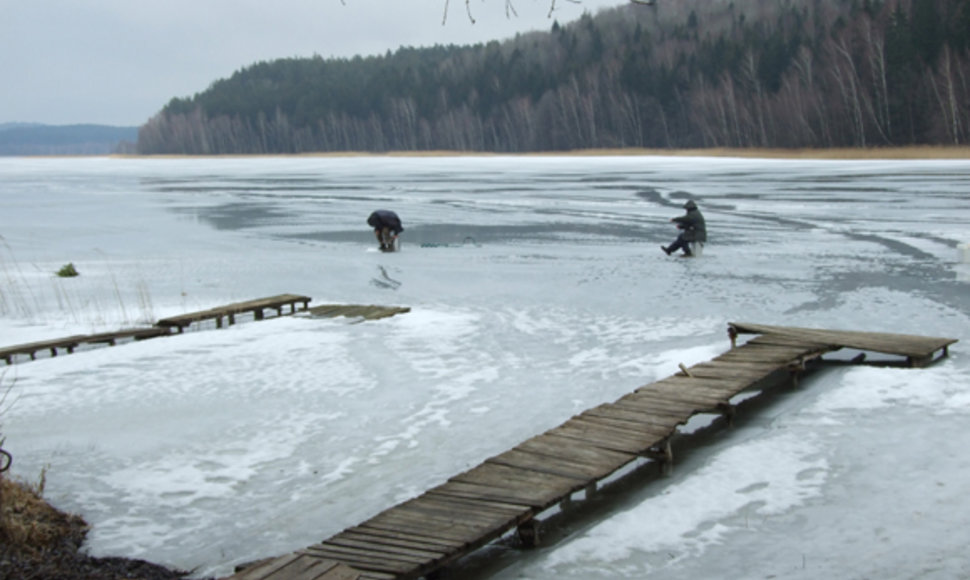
(38,541)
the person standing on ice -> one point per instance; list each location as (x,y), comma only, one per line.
(387,227)
(692,228)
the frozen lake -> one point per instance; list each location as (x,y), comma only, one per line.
(538,289)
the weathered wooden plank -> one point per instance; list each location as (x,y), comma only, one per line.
(546,464)
(667,390)
(647,404)
(432,537)
(135,333)
(889,343)
(369,312)
(394,538)
(605,434)
(265,569)
(454,534)
(712,388)
(769,354)
(298,566)
(526,497)
(502,476)
(342,572)
(768,340)
(643,433)
(374,575)
(31,348)
(724,370)
(650,404)
(572,450)
(493,508)
(452,527)
(230,310)
(376,545)
(363,560)
(444,528)
(637,417)
(346,546)
(471,513)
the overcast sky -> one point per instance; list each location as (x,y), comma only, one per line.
(118,62)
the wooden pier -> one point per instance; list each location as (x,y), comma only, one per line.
(70,343)
(362,311)
(256,307)
(164,327)
(509,491)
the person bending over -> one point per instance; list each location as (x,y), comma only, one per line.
(387,227)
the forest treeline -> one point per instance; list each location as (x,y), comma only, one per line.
(682,74)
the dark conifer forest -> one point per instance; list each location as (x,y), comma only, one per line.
(679,74)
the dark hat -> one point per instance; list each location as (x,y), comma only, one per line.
(690,205)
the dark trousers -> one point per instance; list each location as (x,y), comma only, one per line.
(679,244)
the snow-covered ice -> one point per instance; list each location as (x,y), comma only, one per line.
(537,290)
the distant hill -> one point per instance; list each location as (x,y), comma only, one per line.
(678,74)
(37,139)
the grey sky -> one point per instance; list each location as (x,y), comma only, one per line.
(118,62)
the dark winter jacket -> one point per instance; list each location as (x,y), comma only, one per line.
(692,224)
(384,218)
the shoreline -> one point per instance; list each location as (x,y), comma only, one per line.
(913,152)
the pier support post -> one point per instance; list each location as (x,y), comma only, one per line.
(667,464)
(727,411)
(566,504)
(664,454)
(590,490)
(529,533)
(733,335)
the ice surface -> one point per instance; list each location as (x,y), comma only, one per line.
(538,290)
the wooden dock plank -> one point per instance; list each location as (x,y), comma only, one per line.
(395,538)
(726,370)
(362,560)
(367,312)
(501,476)
(447,529)
(715,389)
(525,497)
(647,404)
(609,436)
(888,343)
(770,354)
(667,391)
(229,311)
(434,538)
(571,450)
(374,545)
(468,512)
(298,566)
(635,416)
(547,464)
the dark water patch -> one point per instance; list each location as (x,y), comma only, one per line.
(243,189)
(841,189)
(892,245)
(238,216)
(437,235)
(676,198)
